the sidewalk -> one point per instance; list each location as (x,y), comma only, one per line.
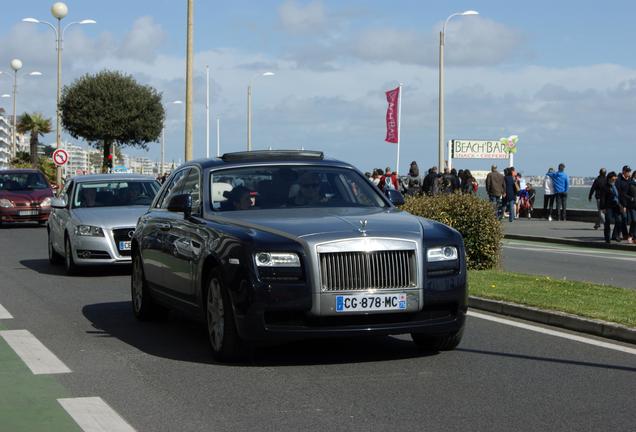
(572,233)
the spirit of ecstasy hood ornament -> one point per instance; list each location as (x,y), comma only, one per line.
(363,227)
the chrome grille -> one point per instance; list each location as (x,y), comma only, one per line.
(341,271)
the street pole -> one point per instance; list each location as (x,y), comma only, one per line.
(207,112)
(218,137)
(16,65)
(58,137)
(440,149)
(249,117)
(163,143)
(189,83)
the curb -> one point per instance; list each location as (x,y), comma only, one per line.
(580,243)
(557,319)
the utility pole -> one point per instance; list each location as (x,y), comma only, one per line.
(189,83)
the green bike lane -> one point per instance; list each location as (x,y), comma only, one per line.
(28,402)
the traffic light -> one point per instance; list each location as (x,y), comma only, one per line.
(110,161)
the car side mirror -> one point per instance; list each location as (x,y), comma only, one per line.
(395,196)
(58,203)
(181,203)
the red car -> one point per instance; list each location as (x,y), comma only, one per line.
(25,196)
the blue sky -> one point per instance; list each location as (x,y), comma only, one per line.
(561,75)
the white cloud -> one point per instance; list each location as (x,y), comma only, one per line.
(299,19)
(143,40)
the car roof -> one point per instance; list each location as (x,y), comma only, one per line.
(107,177)
(19,170)
(268,157)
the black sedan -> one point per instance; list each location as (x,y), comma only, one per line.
(281,245)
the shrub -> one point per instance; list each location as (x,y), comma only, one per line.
(473,217)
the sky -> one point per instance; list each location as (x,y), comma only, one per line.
(560,75)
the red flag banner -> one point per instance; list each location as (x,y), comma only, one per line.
(392,116)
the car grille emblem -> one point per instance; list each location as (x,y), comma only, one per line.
(131,233)
(363,227)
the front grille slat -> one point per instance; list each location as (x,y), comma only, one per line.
(344,271)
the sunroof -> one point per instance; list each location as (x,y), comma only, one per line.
(273,154)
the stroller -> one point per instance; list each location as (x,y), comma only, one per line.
(526,202)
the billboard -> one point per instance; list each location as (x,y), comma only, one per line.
(478,149)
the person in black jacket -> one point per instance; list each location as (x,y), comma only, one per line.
(631,206)
(598,189)
(622,184)
(611,204)
(511,192)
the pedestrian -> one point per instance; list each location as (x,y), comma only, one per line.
(561,186)
(613,208)
(622,184)
(496,188)
(598,189)
(511,193)
(548,194)
(469,183)
(631,206)
(376,176)
(414,171)
(429,183)
(454,180)
(521,183)
(389,180)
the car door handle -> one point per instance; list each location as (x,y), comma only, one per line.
(164,226)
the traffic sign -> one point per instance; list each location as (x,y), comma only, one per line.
(60,157)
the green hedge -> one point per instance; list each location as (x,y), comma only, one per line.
(473,217)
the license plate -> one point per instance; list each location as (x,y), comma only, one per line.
(28,213)
(371,302)
(124,245)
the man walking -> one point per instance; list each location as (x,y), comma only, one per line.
(496,188)
(511,193)
(548,194)
(599,188)
(611,203)
(622,184)
(561,187)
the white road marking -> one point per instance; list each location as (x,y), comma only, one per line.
(612,257)
(92,414)
(4,314)
(564,335)
(37,357)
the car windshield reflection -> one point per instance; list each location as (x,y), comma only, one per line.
(115,194)
(248,188)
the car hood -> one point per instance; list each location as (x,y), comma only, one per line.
(315,222)
(36,195)
(109,217)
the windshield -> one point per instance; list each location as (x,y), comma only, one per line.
(115,193)
(289,187)
(22,181)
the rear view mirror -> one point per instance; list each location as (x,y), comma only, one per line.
(58,202)
(181,203)
(396,197)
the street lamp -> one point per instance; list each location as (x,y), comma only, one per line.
(163,132)
(249,107)
(441,85)
(59,10)
(16,65)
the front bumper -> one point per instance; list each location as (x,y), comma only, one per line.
(17,214)
(89,250)
(283,316)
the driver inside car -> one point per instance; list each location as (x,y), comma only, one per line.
(309,191)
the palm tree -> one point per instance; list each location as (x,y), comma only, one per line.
(37,126)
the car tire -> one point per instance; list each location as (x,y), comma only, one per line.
(143,306)
(447,342)
(227,345)
(54,257)
(69,263)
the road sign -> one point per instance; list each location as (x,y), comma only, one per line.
(60,157)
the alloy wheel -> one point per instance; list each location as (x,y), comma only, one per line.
(215,314)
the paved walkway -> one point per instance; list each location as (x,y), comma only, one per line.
(581,233)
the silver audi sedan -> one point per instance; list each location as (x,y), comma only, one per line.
(93,218)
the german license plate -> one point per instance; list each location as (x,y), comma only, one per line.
(28,213)
(371,302)
(124,245)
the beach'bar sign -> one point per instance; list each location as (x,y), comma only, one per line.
(503,148)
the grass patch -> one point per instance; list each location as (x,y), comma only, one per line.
(579,298)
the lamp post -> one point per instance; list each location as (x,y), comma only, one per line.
(163,133)
(441,86)
(59,10)
(249,107)
(16,65)
(189,83)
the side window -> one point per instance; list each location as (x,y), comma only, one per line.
(174,188)
(191,186)
(66,192)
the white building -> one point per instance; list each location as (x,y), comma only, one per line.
(5,141)
(140,165)
(78,162)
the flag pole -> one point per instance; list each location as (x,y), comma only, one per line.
(397,163)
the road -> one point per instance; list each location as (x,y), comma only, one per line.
(604,266)
(160,376)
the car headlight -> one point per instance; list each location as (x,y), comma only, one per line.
(443,253)
(5,203)
(277,259)
(46,202)
(88,230)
